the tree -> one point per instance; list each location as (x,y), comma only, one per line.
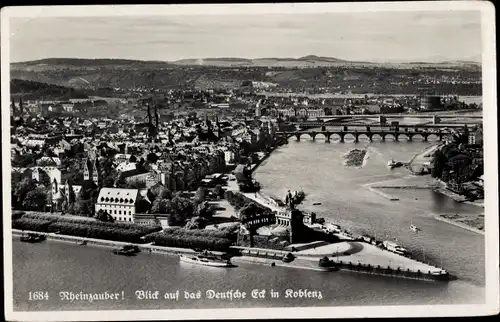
(200,195)
(25,160)
(24,187)
(87,199)
(102,215)
(121,182)
(71,193)
(35,199)
(108,182)
(439,163)
(179,210)
(159,206)
(254,158)
(204,210)
(196,223)
(152,157)
(249,211)
(165,193)
(218,191)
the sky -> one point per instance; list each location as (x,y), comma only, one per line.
(375,36)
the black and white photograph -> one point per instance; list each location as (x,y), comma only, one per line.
(248,161)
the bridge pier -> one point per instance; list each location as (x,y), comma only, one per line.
(297,135)
(327,137)
(425,135)
(342,137)
(382,134)
(313,135)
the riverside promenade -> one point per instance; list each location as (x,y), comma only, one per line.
(107,243)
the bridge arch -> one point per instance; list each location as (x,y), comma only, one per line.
(321,135)
(350,136)
(365,136)
(335,136)
(419,136)
(434,136)
(389,135)
(403,136)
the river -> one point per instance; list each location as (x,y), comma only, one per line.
(315,167)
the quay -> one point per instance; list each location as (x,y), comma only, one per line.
(107,243)
(358,257)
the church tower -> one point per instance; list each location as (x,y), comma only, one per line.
(86,170)
(95,173)
(55,187)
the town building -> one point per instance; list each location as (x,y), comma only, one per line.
(476,137)
(120,203)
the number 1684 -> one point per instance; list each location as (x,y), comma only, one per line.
(38,296)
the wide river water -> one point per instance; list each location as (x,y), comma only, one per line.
(315,167)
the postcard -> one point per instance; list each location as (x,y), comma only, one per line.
(250,161)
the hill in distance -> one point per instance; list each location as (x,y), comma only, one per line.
(306,61)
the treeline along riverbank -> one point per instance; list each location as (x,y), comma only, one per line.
(218,240)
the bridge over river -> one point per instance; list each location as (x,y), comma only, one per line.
(424,132)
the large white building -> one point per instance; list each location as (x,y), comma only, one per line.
(120,203)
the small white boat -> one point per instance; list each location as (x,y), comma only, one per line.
(391,164)
(206,259)
(414,228)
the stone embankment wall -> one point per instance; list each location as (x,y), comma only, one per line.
(107,243)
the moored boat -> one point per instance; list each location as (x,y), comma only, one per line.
(127,250)
(32,238)
(207,259)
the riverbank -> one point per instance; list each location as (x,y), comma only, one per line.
(107,243)
(421,161)
(418,182)
(473,222)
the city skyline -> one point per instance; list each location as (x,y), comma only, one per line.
(360,36)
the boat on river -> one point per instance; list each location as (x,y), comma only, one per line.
(32,238)
(207,259)
(127,250)
(393,164)
(414,228)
